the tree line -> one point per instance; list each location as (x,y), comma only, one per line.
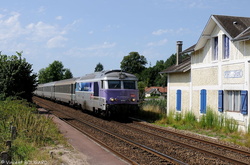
(132,63)
(18,80)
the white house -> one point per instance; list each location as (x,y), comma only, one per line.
(217,74)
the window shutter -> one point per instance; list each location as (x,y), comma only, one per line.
(220,101)
(178,100)
(203,101)
(244,102)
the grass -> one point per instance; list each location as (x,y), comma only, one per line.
(33,131)
(210,124)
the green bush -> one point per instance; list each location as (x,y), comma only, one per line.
(33,130)
(160,104)
(211,120)
(231,125)
(189,118)
(170,117)
(178,116)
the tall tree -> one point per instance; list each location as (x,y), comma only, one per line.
(99,67)
(67,74)
(43,75)
(133,63)
(16,77)
(159,80)
(54,72)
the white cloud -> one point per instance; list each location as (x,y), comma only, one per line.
(41,31)
(111,27)
(57,41)
(158,43)
(41,9)
(59,18)
(201,4)
(104,45)
(16,36)
(94,50)
(169,31)
(10,27)
(161,31)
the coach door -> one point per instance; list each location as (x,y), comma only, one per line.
(96,95)
(96,89)
(72,88)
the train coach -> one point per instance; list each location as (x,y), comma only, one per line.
(105,92)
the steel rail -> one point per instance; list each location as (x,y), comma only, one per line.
(90,136)
(197,139)
(150,150)
(193,147)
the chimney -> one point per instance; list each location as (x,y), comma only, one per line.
(178,52)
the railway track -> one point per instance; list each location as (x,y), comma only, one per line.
(233,155)
(144,153)
(206,142)
(142,144)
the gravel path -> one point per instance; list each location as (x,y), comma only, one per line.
(86,152)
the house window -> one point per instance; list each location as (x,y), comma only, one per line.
(215,48)
(236,101)
(203,101)
(232,101)
(225,47)
(178,100)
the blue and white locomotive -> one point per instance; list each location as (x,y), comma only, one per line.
(105,92)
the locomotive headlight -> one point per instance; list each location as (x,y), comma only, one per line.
(133,99)
(112,99)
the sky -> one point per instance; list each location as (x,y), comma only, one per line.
(83,33)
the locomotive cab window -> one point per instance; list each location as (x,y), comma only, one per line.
(114,84)
(129,84)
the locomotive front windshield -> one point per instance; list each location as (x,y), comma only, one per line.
(114,84)
(129,84)
(118,84)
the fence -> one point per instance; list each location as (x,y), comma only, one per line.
(6,155)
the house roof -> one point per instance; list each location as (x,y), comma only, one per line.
(236,28)
(245,35)
(160,89)
(188,50)
(184,66)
